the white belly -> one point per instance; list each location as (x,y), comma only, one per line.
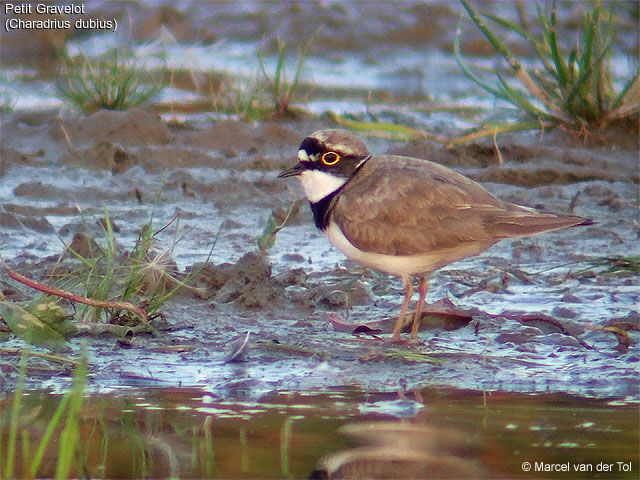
(402,265)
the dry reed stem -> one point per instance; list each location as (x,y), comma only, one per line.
(46,356)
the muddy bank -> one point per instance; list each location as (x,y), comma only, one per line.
(516,316)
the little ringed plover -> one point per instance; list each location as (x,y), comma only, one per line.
(405,216)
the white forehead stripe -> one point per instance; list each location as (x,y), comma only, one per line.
(302,155)
(346,145)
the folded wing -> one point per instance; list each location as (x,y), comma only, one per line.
(405,206)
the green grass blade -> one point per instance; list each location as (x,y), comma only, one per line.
(208,453)
(604,82)
(244,451)
(497,44)
(279,76)
(70,436)
(552,39)
(261,64)
(585,61)
(509,25)
(44,442)
(632,87)
(285,442)
(26,447)
(517,99)
(16,405)
(110,237)
(467,71)
(581,81)
(302,58)
(571,64)
(539,47)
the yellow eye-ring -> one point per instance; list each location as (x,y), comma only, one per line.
(330,158)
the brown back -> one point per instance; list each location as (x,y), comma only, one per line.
(406,206)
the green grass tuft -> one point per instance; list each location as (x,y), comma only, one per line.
(283,90)
(573,89)
(112,292)
(145,276)
(116,81)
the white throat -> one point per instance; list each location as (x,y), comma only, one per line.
(318,185)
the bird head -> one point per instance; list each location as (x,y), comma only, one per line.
(327,160)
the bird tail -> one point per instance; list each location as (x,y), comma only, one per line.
(519,221)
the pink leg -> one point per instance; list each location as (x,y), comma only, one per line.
(408,292)
(422,289)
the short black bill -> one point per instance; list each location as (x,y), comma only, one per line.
(294,171)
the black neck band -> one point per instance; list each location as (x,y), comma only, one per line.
(322,208)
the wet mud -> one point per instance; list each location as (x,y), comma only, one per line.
(511,319)
(552,313)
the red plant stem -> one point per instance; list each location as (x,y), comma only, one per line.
(77,298)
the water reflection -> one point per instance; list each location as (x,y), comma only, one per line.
(191,433)
(405,450)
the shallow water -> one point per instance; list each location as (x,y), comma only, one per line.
(427,433)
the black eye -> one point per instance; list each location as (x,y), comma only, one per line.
(330,158)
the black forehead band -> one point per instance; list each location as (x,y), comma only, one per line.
(311,146)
